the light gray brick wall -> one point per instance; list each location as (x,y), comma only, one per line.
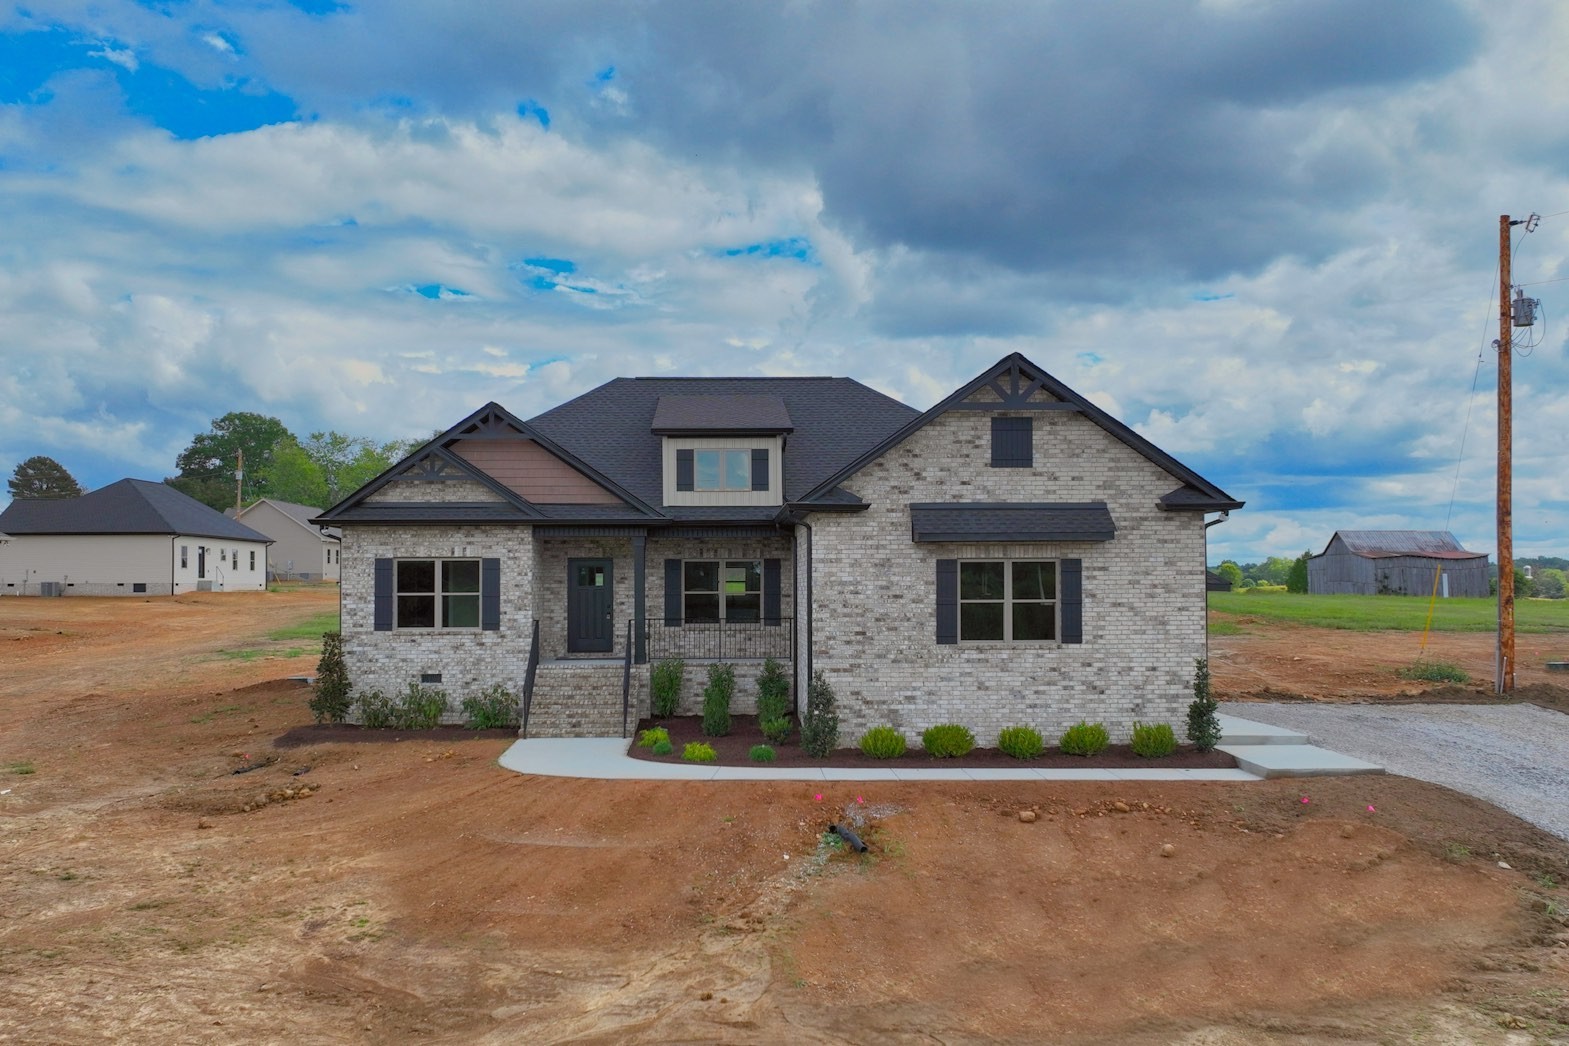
(434,491)
(551,559)
(874,615)
(661,549)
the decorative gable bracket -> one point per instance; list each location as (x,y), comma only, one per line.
(1014,387)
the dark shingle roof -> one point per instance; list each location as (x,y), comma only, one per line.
(611,428)
(1011,521)
(429,513)
(1382,544)
(688,415)
(129,506)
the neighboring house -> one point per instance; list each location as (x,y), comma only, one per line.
(133,537)
(301,551)
(1399,563)
(1013,555)
(1214,582)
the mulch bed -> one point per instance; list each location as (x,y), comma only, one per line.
(733,750)
(347,733)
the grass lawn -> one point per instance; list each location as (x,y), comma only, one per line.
(311,628)
(1394,613)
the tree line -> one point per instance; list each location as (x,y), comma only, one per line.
(1548,576)
(319,470)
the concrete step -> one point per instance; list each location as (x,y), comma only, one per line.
(1235,731)
(1287,760)
(580,699)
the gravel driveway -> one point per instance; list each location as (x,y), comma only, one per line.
(1514,756)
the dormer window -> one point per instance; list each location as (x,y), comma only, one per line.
(723,450)
(722,469)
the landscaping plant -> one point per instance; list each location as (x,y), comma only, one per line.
(1204,712)
(776,730)
(1084,739)
(651,737)
(716,699)
(331,701)
(1021,742)
(761,754)
(665,684)
(421,708)
(491,709)
(697,752)
(882,742)
(773,692)
(663,746)
(376,709)
(1153,740)
(820,725)
(947,740)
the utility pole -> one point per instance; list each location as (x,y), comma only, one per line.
(1504,662)
(239,480)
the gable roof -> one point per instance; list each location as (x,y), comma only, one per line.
(301,514)
(1014,380)
(128,506)
(1385,544)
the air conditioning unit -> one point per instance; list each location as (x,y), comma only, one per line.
(51,588)
(204,586)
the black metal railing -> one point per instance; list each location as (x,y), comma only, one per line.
(626,681)
(720,640)
(528,678)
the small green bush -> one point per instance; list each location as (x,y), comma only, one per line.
(421,708)
(491,709)
(1153,740)
(773,692)
(761,754)
(882,742)
(665,685)
(777,730)
(947,740)
(1084,739)
(697,752)
(663,747)
(1021,742)
(820,725)
(330,701)
(651,737)
(716,699)
(1203,713)
(376,709)
(1435,672)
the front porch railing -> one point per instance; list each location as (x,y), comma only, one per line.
(528,679)
(626,682)
(720,640)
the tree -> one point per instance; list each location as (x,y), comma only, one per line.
(820,724)
(1297,577)
(1551,583)
(1276,570)
(207,466)
(1232,573)
(291,475)
(41,477)
(1204,712)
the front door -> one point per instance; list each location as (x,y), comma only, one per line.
(590,603)
(201,561)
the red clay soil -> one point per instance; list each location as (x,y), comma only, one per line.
(735,748)
(418,892)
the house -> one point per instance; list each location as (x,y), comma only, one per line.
(301,551)
(1013,555)
(1214,582)
(132,537)
(1397,562)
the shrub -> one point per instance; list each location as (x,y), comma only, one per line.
(777,730)
(1153,740)
(1084,739)
(650,738)
(420,709)
(820,725)
(1021,742)
(330,703)
(761,754)
(665,684)
(492,708)
(1203,713)
(375,708)
(1435,672)
(697,752)
(883,742)
(947,740)
(663,747)
(773,692)
(716,699)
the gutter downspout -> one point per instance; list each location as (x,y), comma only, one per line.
(1224,515)
(808,645)
(172,539)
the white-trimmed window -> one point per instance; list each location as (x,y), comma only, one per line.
(437,593)
(185,552)
(721,470)
(253,559)
(1007,600)
(722,590)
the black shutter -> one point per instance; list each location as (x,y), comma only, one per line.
(490,595)
(1070,588)
(947,601)
(673,592)
(760,468)
(683,470)
(384,595)
(770,590)
(1013,444)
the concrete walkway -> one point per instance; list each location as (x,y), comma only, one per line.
(1261,751)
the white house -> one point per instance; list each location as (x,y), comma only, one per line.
(300,549)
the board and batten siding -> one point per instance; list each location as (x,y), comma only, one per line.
(1339,571)
(774,495)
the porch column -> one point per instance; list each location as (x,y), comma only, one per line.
(639,611)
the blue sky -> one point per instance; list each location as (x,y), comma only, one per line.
(1262,232)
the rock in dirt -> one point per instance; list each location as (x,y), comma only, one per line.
(1168,850)
(1120,806)
(1027,816)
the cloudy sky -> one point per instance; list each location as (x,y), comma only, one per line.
(1262,232)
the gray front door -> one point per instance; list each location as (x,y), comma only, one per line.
(590,603)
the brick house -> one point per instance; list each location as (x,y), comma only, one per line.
(1013,555)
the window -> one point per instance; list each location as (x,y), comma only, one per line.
(1013,443)
(253,559)
(437,593)
(235,559)
(1009,601)
(185,551)
(722,591)
(223,555)
(722,470)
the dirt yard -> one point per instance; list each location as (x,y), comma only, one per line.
(415,891)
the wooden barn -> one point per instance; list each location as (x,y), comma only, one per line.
(1397,563)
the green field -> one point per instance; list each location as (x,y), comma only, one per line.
(1395,613)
